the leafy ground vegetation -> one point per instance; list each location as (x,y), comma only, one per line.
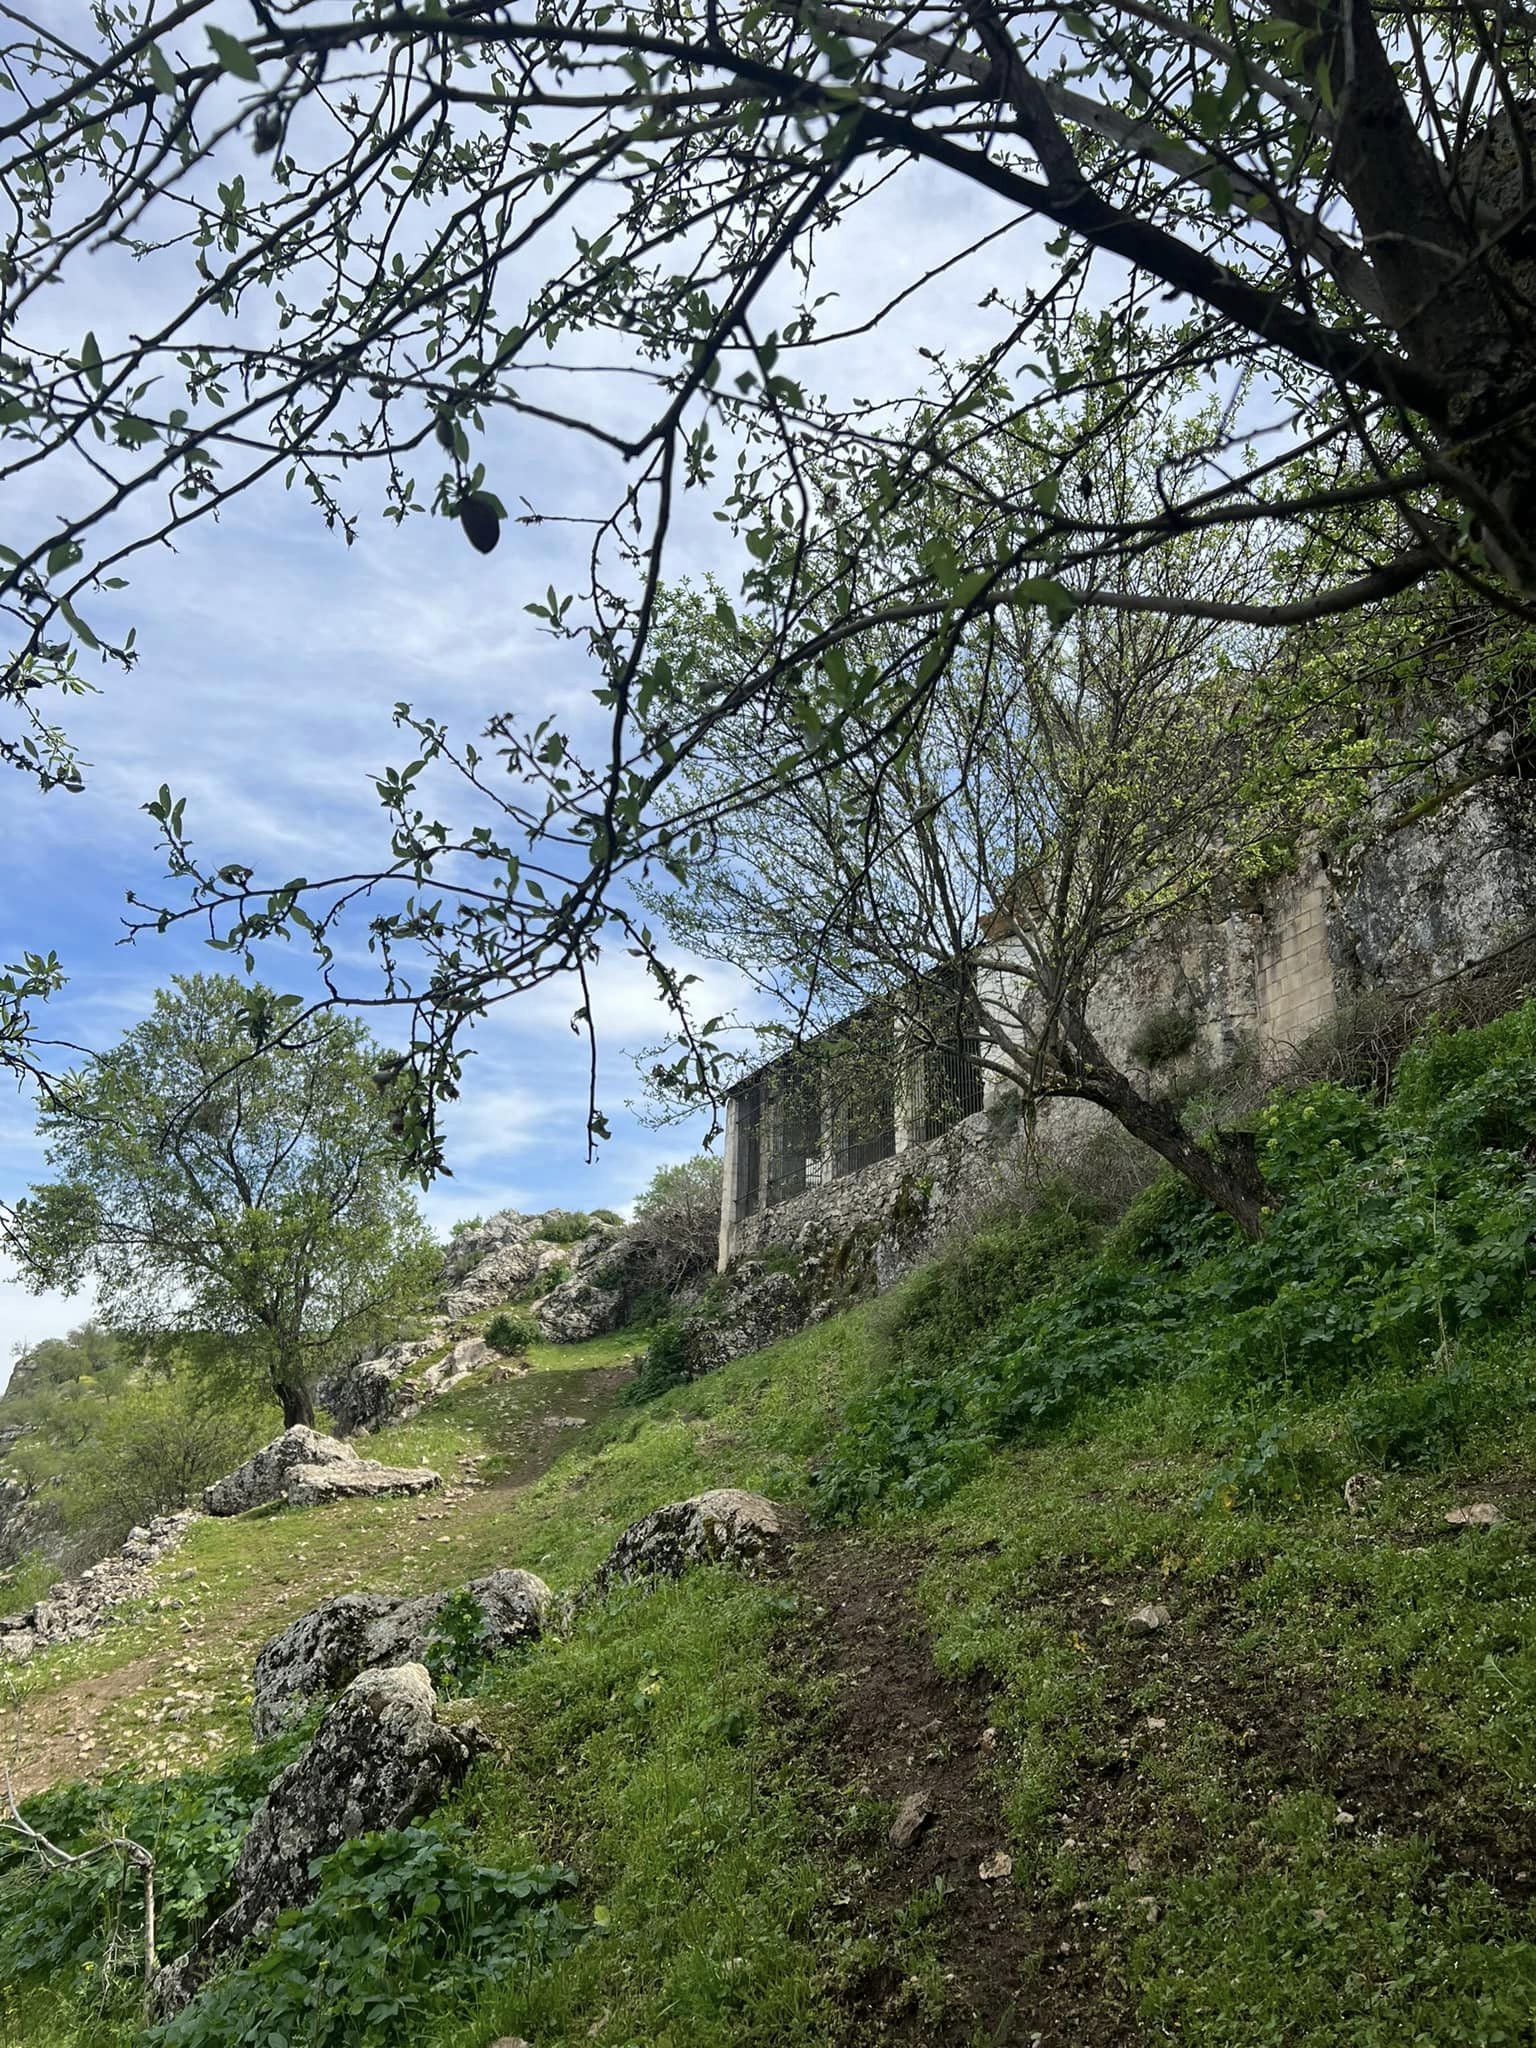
(1295,1812)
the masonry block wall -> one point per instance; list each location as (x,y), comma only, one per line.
(1402,912)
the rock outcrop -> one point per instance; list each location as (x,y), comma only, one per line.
(264,1477)
(380,1759)
(307,1470)
(76,1608)
(753,1306)
(497,1261)
(606,1280)
(316,1486)
(372,1391)
(326,1649)
(725,1525)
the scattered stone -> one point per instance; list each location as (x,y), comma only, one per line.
(998,1865)
(1146,1621)
(314,1486)
(1360,1489)
(326,1648)
(77,1608)
(264,1477)
(987,1739)
(1481,1515)
(725,1525)
(913,1816)
(379,1759)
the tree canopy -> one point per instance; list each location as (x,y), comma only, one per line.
(231,1188)
(378,245)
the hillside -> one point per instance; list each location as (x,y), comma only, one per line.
(1124,1595)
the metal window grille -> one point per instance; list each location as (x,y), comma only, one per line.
(749,1169)
(799,1142)
(952,1083)
(867,1130)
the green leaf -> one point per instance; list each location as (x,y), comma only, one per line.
(159,70)
(233,56)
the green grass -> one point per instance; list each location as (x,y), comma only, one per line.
(1298,1814)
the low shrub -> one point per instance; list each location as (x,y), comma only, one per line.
(458,1648)
(511,1330)
(1400,1233)
(664,1364)
(1162,1036)
(554,1275)
(88,1918)
(565,1226)
(405,1929)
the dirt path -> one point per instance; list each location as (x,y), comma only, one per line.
(1016,1971)
(169,1688)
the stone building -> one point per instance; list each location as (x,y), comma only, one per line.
(809,1156)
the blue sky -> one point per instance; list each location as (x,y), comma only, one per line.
(270,657)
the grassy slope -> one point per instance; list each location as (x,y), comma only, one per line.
(1299,1815)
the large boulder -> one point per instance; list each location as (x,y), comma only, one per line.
(316,1486)
(723,1525)
(264,1477)
(379,1759)
(326,1649)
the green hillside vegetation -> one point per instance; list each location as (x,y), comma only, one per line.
(1295,1813)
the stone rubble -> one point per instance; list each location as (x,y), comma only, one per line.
(77,1608)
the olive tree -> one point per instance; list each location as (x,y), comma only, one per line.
(381,246)
(233,1180)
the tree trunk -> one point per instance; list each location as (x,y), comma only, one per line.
(1224,1167)
(298,1405)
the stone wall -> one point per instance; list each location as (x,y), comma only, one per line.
(1420,902)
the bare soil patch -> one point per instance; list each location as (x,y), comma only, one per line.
(1016,1967)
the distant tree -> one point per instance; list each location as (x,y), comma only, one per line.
(234,1180)
(676,1230)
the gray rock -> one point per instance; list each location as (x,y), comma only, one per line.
(913,1815)
(723,1525)
(605,1282)
(77,1608)
(374,1391)
(497,1261)
(326,1649)
(1360,1489)
(264,1477)
(1146,1621)
(759,1307)
(379,1759)
(316,1486)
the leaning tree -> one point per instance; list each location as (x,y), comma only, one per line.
(377,244)
(229,1179)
